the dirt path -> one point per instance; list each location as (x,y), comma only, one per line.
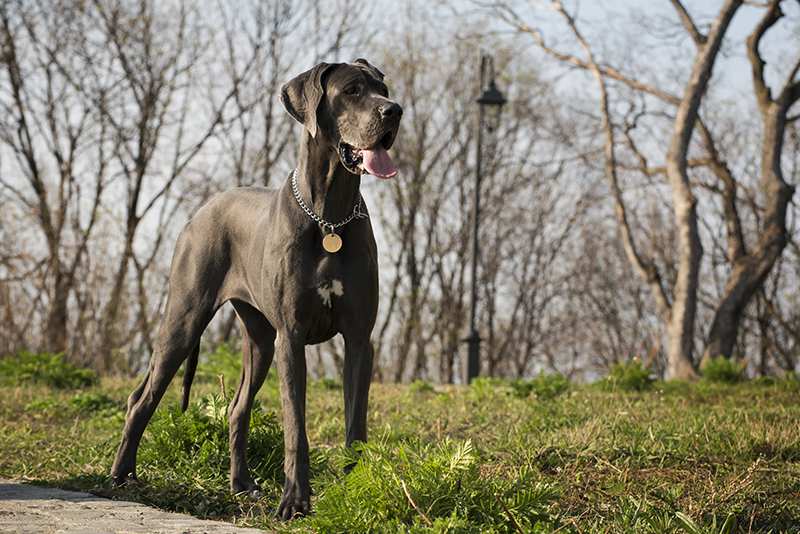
(33,509)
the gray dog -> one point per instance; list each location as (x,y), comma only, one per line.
(298,264)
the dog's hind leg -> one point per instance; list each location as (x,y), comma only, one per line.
(137,393)
(258,347)
(200,281)
(179,334)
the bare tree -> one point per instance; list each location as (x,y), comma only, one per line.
(750,268)
(527,219)
(151,100)
(48,128)
(678,312)
(433,141)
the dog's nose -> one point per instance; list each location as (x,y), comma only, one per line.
(390,110)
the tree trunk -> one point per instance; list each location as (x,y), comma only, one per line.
(680,330)
(57,315)
(750,271)
(111,310)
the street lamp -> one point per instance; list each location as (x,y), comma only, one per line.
(489,103)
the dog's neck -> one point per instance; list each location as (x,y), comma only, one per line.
(330,189)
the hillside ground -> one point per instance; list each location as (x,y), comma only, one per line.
(541,456)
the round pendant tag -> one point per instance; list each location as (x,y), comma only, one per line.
(332,243)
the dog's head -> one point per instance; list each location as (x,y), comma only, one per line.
(348,106)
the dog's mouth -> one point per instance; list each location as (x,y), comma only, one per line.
(375,161)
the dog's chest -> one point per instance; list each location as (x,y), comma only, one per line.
(322,293)
(326,292)
(328,282)
(330,289)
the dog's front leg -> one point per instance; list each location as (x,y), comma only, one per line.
(357,375)
(290,352)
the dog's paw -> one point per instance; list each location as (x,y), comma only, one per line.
(296,501)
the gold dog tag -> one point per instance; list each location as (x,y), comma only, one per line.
(332,242)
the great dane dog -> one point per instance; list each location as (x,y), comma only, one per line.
(298,264)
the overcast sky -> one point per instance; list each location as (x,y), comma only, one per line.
(616,24)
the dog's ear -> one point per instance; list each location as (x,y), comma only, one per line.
(301,96)
(372,68)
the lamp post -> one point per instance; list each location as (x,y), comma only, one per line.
(490,102)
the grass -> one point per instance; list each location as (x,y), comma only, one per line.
(627,376)
(722,369)
(495,457)
(44,368)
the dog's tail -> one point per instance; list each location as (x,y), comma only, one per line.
(188,376)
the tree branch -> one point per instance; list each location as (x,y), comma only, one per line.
(771,16)
(733,223)
(686,19)
(645,267)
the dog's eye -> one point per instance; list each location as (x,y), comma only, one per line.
(353,90)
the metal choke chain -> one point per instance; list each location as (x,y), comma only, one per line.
(357,213)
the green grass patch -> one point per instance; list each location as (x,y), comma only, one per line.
(479,458)
(543,387)
(723,370)
(44,368)
(92,402)
(628,376)
(416,486)
(420,386)
(195,443)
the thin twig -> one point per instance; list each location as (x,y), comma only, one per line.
(413,504)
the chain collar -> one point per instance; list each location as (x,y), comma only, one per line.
(357,211)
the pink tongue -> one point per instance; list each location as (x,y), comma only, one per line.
(378,163)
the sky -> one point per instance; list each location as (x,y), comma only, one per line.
(630,29)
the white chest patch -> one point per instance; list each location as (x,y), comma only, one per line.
(328,290)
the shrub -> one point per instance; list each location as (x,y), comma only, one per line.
(544,386)
(789,382)
(44,368)
(43,407)
(521,388)
(724,370)
(94,402)
(420,386)
(410,486)
(627,376)
(195,444)
(486,386)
